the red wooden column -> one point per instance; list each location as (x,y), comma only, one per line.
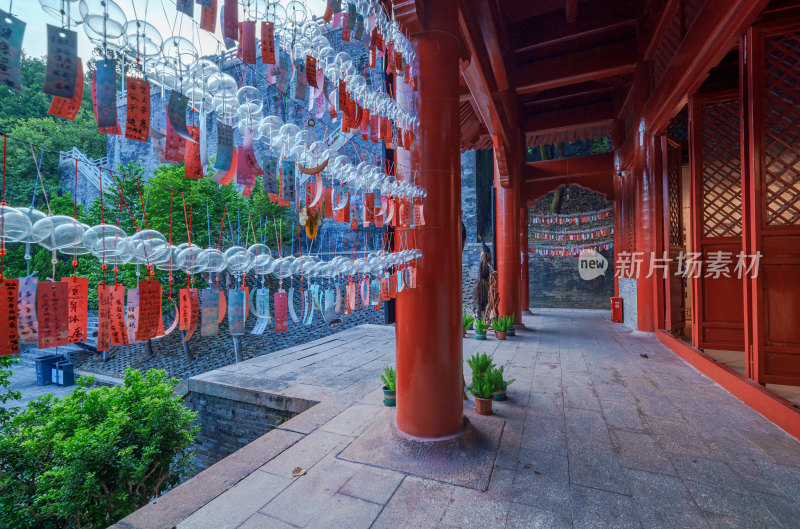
(524,292)
(507,245)
(428,330)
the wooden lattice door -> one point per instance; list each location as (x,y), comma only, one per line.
(717,302)
(673,234)
(772,181)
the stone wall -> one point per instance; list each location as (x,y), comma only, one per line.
(554,281)
(227,425)
(627,291)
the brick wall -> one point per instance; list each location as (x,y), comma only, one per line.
(228,425)
(627,291)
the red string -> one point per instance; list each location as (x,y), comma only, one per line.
(5,146)
(102,221)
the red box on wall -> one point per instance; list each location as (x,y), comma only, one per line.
(616,310)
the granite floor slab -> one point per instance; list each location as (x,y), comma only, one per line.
(595,435)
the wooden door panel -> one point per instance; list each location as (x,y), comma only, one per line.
(718,302)
(772,177)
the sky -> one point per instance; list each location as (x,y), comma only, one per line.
(160,13)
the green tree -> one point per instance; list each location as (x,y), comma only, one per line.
(7,394)
(94,456)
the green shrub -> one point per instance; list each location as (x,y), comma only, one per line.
(483,386)
(90,458)
(496,374)
(389,378)
(479,363)
(466,321)
(480,326)
(7,394)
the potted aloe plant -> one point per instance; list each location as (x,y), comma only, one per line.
(389,386)
(510,331)
(466,323)
(500,383)
(482,386)
(480,329)
(500,326)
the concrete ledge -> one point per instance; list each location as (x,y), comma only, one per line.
(185,499)
(256,390)
(773,407)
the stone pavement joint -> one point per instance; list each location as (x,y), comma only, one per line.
(595,436)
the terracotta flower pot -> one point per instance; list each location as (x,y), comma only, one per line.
(500,394)
(480,335)
(389,397)
(465,333)
(483,406)
(501,335)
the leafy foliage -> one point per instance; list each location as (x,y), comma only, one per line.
(480,326)
(23,115)
(483,385)
(480,363)
(388,378)
(467,320)
(94,456)
(503,323)
(7,394)
(496,374)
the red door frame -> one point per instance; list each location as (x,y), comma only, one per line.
(773,297)
(674,291)
(713,326)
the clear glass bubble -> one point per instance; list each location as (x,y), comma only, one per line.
(56,232)
(14,225)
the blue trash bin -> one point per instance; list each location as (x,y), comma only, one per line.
(44,366)
(64,373)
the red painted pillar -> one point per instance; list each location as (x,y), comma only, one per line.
(524,292)
(508,256)
(428,330)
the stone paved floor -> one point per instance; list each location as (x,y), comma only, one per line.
(604,428)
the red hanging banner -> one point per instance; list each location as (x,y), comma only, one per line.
(137,121)
(248,42)
(230,19)
(189,309)
(118,332)
(51,298)
(268,43)
(67,107)
(281,312)
(227,178)
(149,310)
(192,167)
(78,304)
(311,71)
(9,337)
(208,17)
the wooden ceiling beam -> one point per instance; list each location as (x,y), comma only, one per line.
(596,17)
(569,119)
(595,172)
(714,32)
(571,10)
(565,94)
(600,62)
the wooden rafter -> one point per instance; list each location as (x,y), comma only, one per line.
(600,62)
(566,119)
